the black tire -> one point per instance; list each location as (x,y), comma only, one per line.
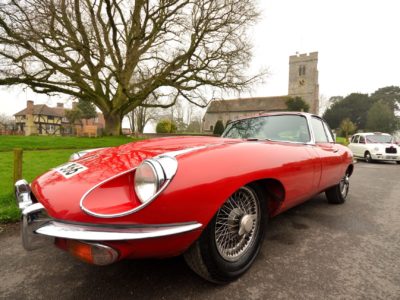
(209,255)
(398,162)
(367,157)
(338,193)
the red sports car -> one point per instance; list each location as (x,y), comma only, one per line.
(208,198)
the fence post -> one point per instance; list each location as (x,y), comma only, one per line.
(17,164)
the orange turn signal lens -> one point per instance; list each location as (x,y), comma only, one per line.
(96,254)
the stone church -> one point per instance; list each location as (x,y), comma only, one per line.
(303,82)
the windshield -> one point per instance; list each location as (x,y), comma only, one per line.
(379,138)
(290,128)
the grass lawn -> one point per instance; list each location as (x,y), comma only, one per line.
(342,140)
(9,142)
(34,164)
(54,151)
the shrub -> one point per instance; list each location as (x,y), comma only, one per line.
(218,128)
(166,126)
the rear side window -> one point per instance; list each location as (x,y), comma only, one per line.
(328,133)
(319,130)
(362,140)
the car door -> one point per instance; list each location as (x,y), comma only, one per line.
(354,147)
(361,146)
(330,155)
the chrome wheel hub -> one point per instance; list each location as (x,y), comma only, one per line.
(246,224)
(237,224)
(344,186)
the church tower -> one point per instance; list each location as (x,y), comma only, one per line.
(303,79)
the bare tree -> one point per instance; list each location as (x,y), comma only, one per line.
(141,115)
(115,53)
(6,120)
(7,123)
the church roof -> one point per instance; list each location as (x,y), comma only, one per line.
(248,104)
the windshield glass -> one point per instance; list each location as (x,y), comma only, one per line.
(379,138)
(290,128)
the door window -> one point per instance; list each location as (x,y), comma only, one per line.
(319,130)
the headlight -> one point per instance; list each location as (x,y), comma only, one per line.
(149,178)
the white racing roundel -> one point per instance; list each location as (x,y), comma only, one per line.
(70,169)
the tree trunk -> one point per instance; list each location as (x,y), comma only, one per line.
(113,124)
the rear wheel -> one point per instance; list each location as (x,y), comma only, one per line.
(367,157)
(338,193)
(231,241)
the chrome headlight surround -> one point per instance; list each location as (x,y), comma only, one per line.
(152,176)
(165,166)
(149,177)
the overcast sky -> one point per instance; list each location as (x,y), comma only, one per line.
(358,43)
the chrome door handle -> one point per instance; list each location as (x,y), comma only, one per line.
(335,150)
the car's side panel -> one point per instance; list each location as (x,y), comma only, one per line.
(331,156)
(206,178)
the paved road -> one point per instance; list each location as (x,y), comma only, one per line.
(314,251)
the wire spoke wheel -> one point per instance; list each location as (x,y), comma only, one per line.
(237,224)
(344,186)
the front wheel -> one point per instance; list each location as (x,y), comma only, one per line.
(367,157)
(398,162)
(338,193)
(231,241)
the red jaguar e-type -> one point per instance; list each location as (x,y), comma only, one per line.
(208,198)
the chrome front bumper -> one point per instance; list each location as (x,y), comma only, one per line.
(38,228)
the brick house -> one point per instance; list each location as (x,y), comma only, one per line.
(40,119)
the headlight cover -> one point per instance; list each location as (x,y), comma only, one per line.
(148,181)
(152,176)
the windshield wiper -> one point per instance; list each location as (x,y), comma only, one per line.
(256,140)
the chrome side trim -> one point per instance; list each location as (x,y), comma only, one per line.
(181,152)
(96,233)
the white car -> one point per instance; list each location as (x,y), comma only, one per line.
(372,146)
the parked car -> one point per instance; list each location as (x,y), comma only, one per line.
(207,198)
(372,146)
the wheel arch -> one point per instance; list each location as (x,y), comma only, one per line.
(273,193)
(350,169)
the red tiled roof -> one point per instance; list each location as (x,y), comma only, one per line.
(43,109)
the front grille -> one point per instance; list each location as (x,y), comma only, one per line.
(391,150)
